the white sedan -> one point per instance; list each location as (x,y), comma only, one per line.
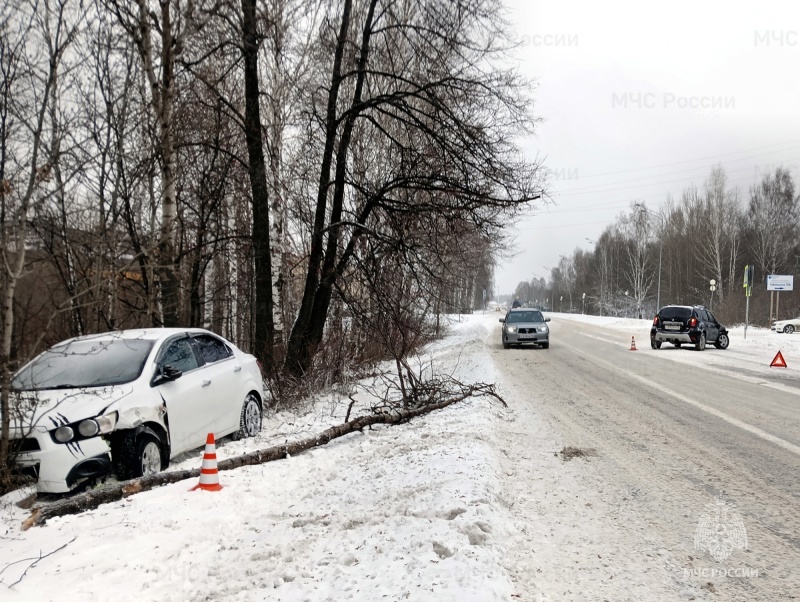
(787,326)
(127,402)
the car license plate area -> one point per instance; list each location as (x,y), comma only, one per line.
(672,325)
(527,336)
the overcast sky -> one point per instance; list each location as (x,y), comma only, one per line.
(639,100)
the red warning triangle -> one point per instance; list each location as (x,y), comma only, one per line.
(778,362)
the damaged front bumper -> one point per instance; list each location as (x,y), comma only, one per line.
(59,467)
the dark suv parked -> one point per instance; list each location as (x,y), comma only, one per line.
(694,325)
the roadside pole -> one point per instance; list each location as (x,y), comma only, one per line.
(748,288)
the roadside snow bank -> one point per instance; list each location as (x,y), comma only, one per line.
(409,512)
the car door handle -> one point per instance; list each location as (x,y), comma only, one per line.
(237,369)
(205,383)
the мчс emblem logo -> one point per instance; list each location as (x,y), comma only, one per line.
(720,531)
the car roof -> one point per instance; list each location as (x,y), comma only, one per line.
(145,334)
(690,307)
(519,309)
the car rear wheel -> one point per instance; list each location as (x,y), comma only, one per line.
(138,453)
(701,342)
(788,329)
(722,342)
(655,344)
(250,420)
(678,345)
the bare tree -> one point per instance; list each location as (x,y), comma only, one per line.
(158,54)
(718,211)
(773,214)
(418,88)
(637,228)
(33,43)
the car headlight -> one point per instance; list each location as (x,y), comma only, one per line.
(511,329)
(543,329)
(86,429)
(64,434)
(107,423)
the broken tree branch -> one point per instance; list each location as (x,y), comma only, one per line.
(92,499)
(34,563)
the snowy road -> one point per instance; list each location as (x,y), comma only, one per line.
(669,436)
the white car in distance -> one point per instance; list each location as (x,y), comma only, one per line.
(787,326)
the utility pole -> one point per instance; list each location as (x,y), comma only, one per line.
(748,288)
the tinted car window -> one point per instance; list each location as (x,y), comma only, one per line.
(672,313)
(711,317)
(180,355)
(525,316)
(704,315)
(212,349)
(86,363)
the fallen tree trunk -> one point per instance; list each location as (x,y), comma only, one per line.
(92,499)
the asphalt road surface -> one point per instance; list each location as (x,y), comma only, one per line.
(689,461)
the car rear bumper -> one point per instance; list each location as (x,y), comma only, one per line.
(672,337)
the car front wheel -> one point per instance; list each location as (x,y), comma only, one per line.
(788,329)
(722,342)
(250,420)
(138,453)
(701,342)
(546,345)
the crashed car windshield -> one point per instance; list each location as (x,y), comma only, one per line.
(524,316)
(88,363)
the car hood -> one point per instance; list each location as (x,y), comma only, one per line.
(55,407)
(526,324)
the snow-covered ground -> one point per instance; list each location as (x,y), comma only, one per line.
(420,511)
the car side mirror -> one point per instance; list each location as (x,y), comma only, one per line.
(165,373)
(547,319)
(502,320)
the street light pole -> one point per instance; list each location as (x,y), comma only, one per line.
(583,298)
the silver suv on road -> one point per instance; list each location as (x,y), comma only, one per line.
(524,326)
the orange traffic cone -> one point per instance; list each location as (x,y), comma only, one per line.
(633,344)
(209,475)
